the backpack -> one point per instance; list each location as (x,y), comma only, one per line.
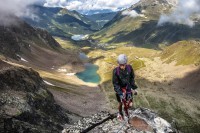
(127,66)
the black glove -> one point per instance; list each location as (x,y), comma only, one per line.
(129,96)
(134,87)
(135,92)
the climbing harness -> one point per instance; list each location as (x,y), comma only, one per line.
(126,102)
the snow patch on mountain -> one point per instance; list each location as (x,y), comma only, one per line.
(48,83)
(22,59)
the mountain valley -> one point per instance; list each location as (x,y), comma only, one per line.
(39,60)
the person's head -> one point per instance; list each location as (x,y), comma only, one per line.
(122,61)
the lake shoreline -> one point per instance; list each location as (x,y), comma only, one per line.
(89,74)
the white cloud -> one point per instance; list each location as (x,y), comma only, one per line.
(55,3)
(91,4)
(74,5)
(10,8)
(183,13)
(132,13)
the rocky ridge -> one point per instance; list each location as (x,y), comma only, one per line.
(141,120)
(25,103)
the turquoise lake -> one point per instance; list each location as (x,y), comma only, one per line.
(89,74)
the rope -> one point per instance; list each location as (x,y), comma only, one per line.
(112,116)
(122,126)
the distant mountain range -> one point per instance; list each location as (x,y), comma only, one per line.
(92,12)
(61,22)
(101,18)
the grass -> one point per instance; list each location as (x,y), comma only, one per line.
(66,44)
(183,53)
(62,84)
(126,25)
(56,77)
(108,62)
(64,90)
(2,57)
(68,85)
(105,40)
(171,112)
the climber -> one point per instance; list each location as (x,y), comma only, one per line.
(123,79)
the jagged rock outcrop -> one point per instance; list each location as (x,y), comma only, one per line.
(141,120)
(25,103)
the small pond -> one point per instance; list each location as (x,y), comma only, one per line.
(89,74)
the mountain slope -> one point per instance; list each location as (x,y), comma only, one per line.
(183,53)
(142,29)
(61,22)
(34,47)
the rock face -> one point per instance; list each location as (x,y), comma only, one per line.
(141,120)
(25,103)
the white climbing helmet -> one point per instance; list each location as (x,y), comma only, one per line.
(122,59)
